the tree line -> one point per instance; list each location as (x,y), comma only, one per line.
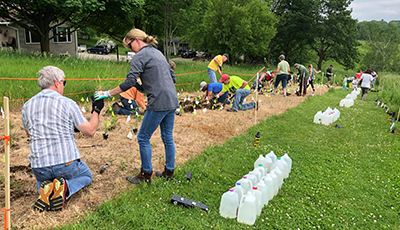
(305,31)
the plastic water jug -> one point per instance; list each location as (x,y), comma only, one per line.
(248,209)
(260,160)
(268,165)
(278,163)
(262,187)
(349,96)
(229,204)
(288,160)
(258,194)
(272,156)
(336,114)
(341,103)
(275,181)
(239,191)
(285,168)
(354,94)
(317,117)
(258,175)
(262,171)
(328,110)
(279,174)
(245,183)
(326,119)
(253,178)
(269,182)
(348,103)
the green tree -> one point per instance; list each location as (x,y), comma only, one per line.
(335,33)
(44,16)
(383,42)
(235,27)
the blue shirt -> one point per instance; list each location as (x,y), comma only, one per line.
(215,87)
(50,119)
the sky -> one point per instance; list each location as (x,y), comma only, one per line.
(368,10)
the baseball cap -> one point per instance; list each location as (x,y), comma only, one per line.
(202,84)
(224,77)
(331,65)
(296,65)
(227,56)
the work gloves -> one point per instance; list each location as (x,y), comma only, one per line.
(98,105)
(101,95)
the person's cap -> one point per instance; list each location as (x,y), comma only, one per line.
(282,57)
(227,56)
(224,77)
(331,65)
(296,65)
(202,84)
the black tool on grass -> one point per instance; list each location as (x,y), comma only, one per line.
(187,203)
(339,126)
(188,176)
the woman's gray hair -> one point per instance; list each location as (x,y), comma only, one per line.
(48,75)
(282,57)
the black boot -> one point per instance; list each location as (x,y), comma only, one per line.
(141,177)
(168,174)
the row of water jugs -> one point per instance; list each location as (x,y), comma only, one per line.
(251,193)
(349,100)
(327,117)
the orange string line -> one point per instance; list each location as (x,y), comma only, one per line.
(7,139)
(5,217)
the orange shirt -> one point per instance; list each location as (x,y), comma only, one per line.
(134,94)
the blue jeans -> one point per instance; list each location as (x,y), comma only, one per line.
(77,174)
(151,120)
(212,75)
(127,107)
(222,98)
(240,95)
(281,77)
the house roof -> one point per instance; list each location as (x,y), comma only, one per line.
(4,21)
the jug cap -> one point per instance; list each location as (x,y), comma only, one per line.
(254,188)
(245,177)
(278,158)
(238,183)
(231,190)
(261,165)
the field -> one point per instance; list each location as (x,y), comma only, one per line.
(341,178)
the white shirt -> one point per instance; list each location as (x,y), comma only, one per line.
(366,80)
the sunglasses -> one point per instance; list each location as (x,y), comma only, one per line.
(129,44)
(64,82)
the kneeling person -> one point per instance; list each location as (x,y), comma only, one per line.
(240,89)
(49,119)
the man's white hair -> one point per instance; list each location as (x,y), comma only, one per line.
(48,75)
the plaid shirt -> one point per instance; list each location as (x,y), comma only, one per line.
(49,119)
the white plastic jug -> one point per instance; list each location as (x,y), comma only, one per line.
(262,187)
(248,209)
(257,174)
(239,191)
(260,160)
(354,94)
(317,117)
(275,180)
(258,194)
(262,171)
(336,114)
(279,174)
(269,163)
(341,103)
(288,160)
(245,183)
(253,178)
(272,156)
(348,103)
(269,182)
(349,96)
(328,110)
(278,163)
(229,204)
(285,168)
(326,119)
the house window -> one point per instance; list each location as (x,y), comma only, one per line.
(61,34)
(31,37)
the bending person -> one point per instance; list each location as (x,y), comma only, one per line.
(216,65)
(131,100)
(213,90)
(49,119)
(158,79)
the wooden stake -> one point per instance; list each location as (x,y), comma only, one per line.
(7,160)
(255,105)
(398,115)
(256,74)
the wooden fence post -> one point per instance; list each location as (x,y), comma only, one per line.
(7,160)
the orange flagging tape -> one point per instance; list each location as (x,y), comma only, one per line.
(243,74)
(7,138)
(5,217)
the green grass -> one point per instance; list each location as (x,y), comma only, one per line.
(341,178)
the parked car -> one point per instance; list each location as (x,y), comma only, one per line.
(188,54)
(81,48)
(98,49)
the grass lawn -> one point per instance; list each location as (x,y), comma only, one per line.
(341,177)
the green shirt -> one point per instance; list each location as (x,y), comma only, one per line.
(283,67)
(303,71)
(234,84)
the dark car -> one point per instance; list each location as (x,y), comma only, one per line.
(98,49)
(188,54)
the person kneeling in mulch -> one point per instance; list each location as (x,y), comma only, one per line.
(240,89)
(49,119)
(212,90)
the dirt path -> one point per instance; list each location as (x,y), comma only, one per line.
(192,133)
